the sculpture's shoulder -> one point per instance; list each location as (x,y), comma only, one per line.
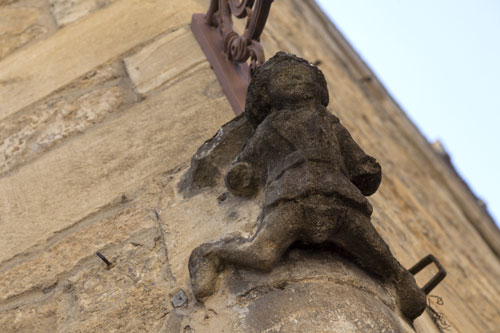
(300,116)
(333,118)
(326,116)
(304,126)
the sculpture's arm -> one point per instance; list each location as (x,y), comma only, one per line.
(363,170)
(242,176)
(241,179)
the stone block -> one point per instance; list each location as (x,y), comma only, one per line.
(68,11)
(164,60)
(33,318)
(83,46)
(60,257)
(82,104)
(18,27)
(86,174)
(7,2)
(84,295)
(132,296)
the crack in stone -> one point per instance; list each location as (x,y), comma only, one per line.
(172,279)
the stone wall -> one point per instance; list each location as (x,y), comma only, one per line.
(102,105)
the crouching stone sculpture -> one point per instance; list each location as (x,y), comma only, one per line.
(314,179)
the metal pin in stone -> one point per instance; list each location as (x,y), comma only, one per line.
(179,299)
(108,263)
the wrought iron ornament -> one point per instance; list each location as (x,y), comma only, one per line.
(240,48)
(226,50)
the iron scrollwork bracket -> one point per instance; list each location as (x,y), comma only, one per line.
(226,50)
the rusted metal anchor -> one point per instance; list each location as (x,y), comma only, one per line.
(436,279)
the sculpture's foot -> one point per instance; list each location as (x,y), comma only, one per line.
(412,299)
(203,270)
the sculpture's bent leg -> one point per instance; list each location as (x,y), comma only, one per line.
(278,231)
(358,237)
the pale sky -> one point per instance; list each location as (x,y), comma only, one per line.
(440,62)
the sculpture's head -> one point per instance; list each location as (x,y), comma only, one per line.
(285,80)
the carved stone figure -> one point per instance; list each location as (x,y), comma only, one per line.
(314,179)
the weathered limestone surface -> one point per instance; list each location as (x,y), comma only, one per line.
(22,24)
(89,100)
(157,134)
(98,123)
(18,28)
(81,284)
(7,2)
(164,60)
(68,11)
(103,36)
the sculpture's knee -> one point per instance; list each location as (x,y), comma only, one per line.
(204,267)
(265,258)
(202,253)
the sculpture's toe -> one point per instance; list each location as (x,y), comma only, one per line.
(412,299)
(203,271)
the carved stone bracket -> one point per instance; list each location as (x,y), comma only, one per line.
(226,50)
